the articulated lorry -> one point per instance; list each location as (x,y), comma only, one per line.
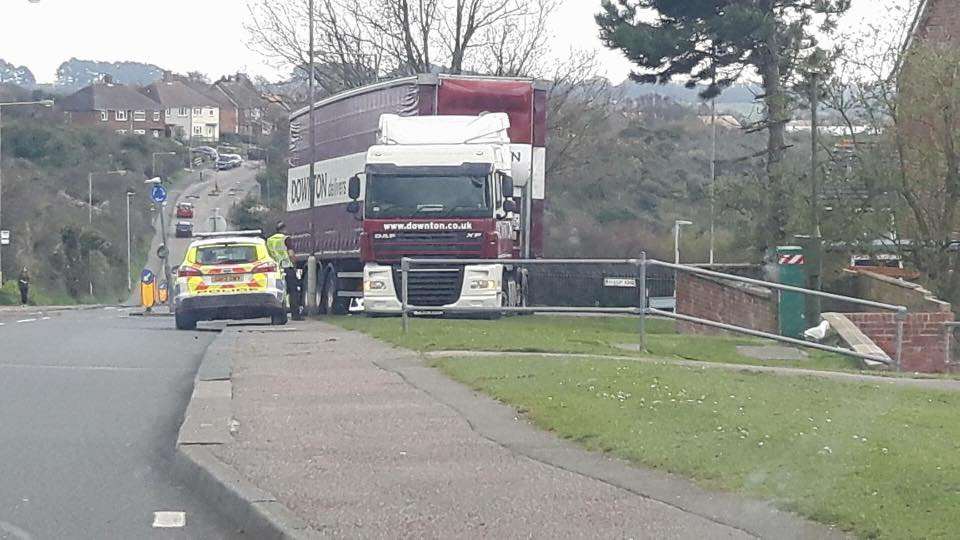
(425,166)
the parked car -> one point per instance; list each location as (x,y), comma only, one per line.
(228,161)
(184,229)
(185,210)
(206,151)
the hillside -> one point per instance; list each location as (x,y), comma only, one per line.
(45,168)
(75,73)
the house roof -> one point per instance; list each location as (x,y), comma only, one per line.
(242,91)
(211,92)
(178,94)
(107,96)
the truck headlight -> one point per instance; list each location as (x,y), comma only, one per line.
(374,285)
(484,284)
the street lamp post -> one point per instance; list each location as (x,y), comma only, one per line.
(676,238)
(90,209)
(129,280)
(45,103)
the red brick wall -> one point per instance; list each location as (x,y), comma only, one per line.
(923,338)
(717,300)
(93,119)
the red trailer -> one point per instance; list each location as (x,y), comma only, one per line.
(357,251)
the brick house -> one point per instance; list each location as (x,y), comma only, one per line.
(115,107)
(189,114)
(255,113)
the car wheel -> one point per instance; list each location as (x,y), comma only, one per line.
(185,321)
(333,304)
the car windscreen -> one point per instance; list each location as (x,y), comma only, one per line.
(226,254)
(398,195)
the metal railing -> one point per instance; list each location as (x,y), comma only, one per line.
(410,265)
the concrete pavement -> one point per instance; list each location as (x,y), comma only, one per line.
(90,402)
(363,440)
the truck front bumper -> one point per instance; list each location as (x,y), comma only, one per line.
(482,288)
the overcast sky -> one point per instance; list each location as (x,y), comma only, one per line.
(208,35)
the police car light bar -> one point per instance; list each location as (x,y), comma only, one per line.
(252,232)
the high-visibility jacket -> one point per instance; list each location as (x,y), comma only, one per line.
(277,247)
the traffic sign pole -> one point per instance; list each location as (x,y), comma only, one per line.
(159,195)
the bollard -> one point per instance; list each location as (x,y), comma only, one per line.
(311,289)
(899,317)
(642,284)
(404,275)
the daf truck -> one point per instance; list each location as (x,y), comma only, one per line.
(429,166)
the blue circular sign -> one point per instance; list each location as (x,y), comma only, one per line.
(158,194)
(147,276)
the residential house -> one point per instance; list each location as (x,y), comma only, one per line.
(189,113)
(116,107)
(255,113)
(228,109)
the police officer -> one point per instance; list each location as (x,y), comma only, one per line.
(281,249)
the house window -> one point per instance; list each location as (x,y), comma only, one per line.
(197,130)
(156,116)
(121,132)
(139,116)
(104,116)
(183,111)
(121,115)
(139,132)
(197,111)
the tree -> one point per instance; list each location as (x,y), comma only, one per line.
(713,43)
(361,41)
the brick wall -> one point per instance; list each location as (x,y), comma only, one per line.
(726,302)
(923,338)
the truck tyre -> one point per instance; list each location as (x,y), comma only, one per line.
(184,321)
(333,304)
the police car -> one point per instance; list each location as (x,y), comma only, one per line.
(229,275)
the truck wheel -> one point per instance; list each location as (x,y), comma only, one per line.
(185,322)
(333,304)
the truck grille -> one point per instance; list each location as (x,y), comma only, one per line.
(430,287)
(416,244)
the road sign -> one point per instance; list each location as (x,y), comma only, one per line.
(148,289)
(158,194)
(4,238)
(197,161)
(147,276)
(626,283)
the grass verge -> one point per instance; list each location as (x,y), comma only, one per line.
(878,461)
(583,335)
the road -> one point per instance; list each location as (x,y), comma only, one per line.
(91,402)
(233,184)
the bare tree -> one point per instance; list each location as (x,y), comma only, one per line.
(520,44)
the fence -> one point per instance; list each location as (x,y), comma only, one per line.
(640,268)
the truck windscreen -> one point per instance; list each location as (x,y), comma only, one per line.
(458,196)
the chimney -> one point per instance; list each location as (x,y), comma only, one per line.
(107,79)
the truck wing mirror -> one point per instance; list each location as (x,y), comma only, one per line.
(353,206)
(353,188)
(509,205)
(506,186)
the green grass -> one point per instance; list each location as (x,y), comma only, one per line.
(879,461)
(584,335)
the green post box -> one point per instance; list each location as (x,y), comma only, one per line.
(791,270)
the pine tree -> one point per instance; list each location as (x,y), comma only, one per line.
(715,43)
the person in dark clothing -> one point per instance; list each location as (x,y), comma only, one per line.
(24,283)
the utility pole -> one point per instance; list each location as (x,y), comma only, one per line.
(713,173)
(313,135)
(815,261)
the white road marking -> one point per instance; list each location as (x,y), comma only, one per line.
(168,520)
(45,319)
(26,320)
